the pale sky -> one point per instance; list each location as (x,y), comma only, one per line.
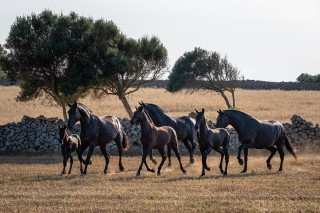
(271,40)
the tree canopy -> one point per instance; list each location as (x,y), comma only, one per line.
(52,55)
(304,77)
(133,63)
(201,69)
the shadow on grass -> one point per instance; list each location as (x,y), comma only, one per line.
(217,177)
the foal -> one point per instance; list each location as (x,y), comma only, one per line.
(69,144)
(153,137)
(212,139)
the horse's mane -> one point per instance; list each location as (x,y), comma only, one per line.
(84,107)
(237,113)
(157,114)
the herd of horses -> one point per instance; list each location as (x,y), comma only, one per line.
(159,130)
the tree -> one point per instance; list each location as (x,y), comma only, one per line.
(50,54)
(129,65)
(3,56)
(200,69)
(304,77)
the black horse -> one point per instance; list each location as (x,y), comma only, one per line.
(69,144)
(258,134)
(97,131)
(212,139)
(184,127)
(153,137)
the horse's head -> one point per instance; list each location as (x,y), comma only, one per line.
(62,133)
(137,115)
(222,120)
(74,115)
(200,119)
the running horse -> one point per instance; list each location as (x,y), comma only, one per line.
(184,127)
(212,139)
(97,131)
(153,137)
(258,134)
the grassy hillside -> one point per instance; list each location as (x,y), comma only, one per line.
(263,104)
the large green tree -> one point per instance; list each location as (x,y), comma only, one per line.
(129,65)
(50,54)
(305,77)
(203,70)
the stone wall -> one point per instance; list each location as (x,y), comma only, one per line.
(41,135)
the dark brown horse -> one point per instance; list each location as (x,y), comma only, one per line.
(153,137)
(97,131)
(258,134)
(69,144)
(212,139)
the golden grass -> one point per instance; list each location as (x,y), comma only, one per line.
(33,184)
(262,104)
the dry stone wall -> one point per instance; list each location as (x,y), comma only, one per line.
(41,135)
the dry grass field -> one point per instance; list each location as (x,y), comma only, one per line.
(33,184)
(263,104)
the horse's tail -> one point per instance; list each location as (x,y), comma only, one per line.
(174,137)
(290,148)
(125,140)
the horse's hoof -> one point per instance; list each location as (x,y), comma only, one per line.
(240,162)
(280,170)
(105,172)
(207,168)
(121,168)
(269,166)
(152,170)
(138,174)
(192,161)
(184,171)
(154,161)
(169,164)
(90,162)
(61,174)
(222,172)
(244,171)
(202,175)
(225,174)
(159,173)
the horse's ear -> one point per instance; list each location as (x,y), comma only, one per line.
(75,104)
(139,103)
(143,104)
(196,110)
(136,107)
(202,110)
(69,104)
(220,112)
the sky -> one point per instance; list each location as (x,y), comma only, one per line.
(269,40)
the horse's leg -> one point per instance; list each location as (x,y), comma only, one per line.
(186,144)
(273,150)
(245,150)
(281,152)
(219,150)
(87,161)
(65,160)
(202,151)
(71,163)
(164,157)
(146,152)
(154,161)
(226,152)
(79,153)
(175,149)
(169,154)
(118,142)
(106,157)
(239,155)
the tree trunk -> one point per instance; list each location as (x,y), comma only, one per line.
(126,105)
(225,99)
(64,111)
(233,100)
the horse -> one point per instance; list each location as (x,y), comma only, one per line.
(153,137)
(69,144)
(184,127)
(97,131)
(258,134)
(212,139)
